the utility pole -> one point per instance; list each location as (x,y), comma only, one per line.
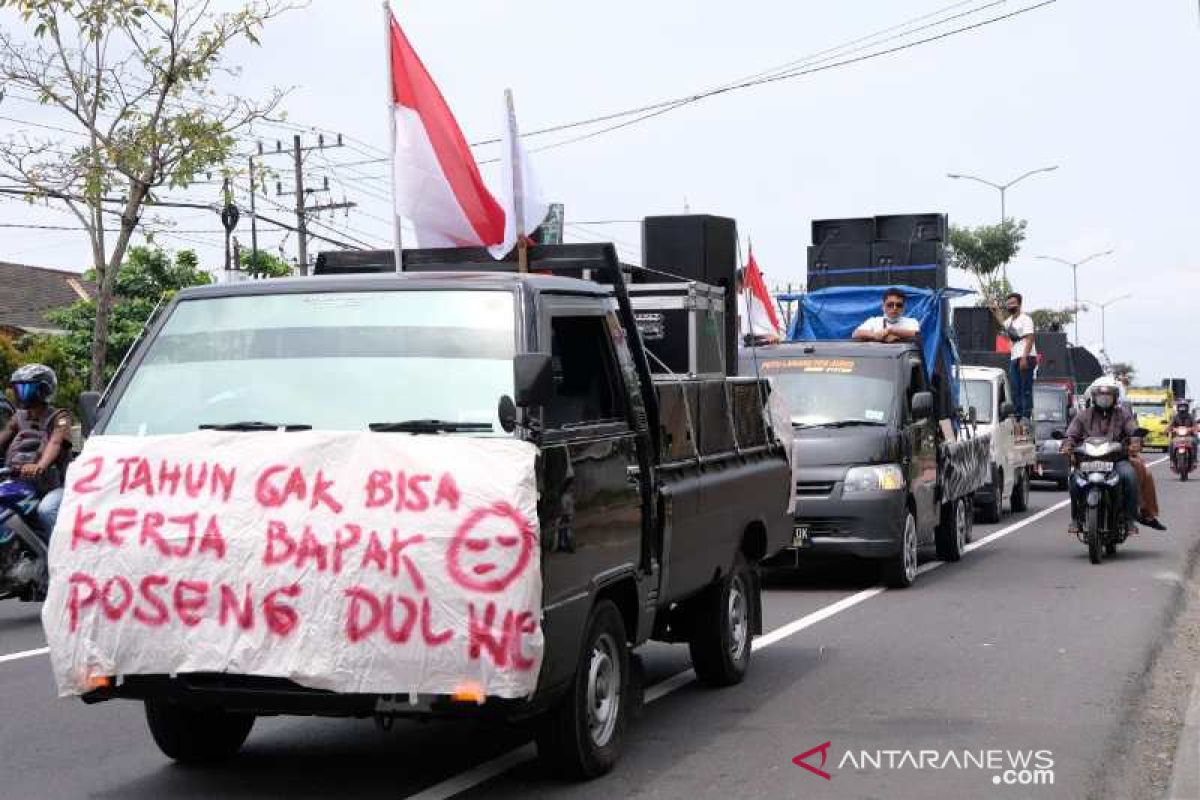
(301,209)
(301,217)
(253,216)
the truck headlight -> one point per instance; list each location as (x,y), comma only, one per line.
(875,478)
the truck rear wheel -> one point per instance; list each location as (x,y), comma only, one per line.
(721,627)
(1020,494)
(953,530)
(583,736)
(196,736)
(991,511)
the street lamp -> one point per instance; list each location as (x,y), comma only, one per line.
(1002,188)
(1103,312)
(1075,265)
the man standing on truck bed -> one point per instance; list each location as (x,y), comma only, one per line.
(1019,328)
(893,326)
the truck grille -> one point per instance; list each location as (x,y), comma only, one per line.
(814,488)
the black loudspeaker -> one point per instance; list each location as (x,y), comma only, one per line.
(975,329)
(696,247)
(984,358)
(891,257)
(857,230)
(350,262)
(912,227)
(1052,347)
(839,265)
(1085,367)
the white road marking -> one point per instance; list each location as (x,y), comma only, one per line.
(41,651)
(498,766)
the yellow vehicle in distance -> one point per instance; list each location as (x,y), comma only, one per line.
(1154,406)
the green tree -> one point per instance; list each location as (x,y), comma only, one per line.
(1050,319)
(262,264)
(1123,371)
(147,277)
(133,81)
(982,251)
(48,350)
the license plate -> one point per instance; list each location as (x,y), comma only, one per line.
(1096,466)
(800,537)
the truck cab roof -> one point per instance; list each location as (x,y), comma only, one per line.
(833,349)
(403,281)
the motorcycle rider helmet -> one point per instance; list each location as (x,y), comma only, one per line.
(1181,407)
(1105,393)
(33,383)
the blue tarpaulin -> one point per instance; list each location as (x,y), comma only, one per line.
(835,313)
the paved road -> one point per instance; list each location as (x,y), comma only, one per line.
(1021,646)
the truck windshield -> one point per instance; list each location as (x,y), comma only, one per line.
(821,391)
(329,360)
(1049,405)
(978,393)
(1144,409)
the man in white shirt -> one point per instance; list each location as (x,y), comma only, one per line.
(893,326)
(1018,327)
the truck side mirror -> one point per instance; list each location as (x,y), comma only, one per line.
(533,379)
(89,405)
(922,405)
(1007,410)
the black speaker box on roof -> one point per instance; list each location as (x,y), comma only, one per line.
(892,258)
(1054,362)
(695,247)
(975,329)
(912,227)
(855,230)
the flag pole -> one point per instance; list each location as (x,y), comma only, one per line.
(518,179)
(397,234)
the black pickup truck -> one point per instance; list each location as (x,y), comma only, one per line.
(652,524)
(876,477)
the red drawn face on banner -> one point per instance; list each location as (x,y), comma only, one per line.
(491,549)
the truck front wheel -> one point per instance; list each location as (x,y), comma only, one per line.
(582,737)
(196,736)
(721,627)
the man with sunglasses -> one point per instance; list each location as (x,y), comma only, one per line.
(893,326)
(35,441)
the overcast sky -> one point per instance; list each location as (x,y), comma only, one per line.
(1106,89)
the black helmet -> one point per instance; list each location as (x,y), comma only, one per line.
(33,383)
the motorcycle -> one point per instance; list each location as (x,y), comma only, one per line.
(24,572)
(1104,520)
(1183,451)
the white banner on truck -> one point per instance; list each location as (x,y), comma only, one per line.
(356,562)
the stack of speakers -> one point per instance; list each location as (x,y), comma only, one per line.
(695,247)
(897,249)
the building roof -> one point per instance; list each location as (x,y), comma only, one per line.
(27,293)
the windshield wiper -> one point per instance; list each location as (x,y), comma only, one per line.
(254,425)
(841,423)
(428,426)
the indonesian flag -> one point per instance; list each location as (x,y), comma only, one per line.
(755,309)
(436,181)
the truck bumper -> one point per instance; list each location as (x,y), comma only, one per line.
(1052,467)
(277,696)
(869,526)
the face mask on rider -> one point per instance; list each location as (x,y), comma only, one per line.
(1104,401)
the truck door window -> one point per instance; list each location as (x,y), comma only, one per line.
(916,383)
(585,374)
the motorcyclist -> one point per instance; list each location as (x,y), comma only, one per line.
(35,441)
(1105,418)
(1183,416)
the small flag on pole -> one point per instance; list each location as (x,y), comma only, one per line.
(755,309)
